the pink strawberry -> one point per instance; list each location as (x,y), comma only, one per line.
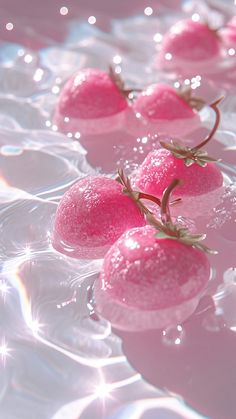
(191,42)
(196,169)
(154,271)
(91,102)
(163,109)
(150,273)
(92,215)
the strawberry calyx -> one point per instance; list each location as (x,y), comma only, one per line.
(192,155)
(136,195)
(166,229)
(120,84)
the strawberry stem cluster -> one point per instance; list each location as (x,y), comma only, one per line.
(165,227)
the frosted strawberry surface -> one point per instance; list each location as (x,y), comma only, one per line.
(70,347)
(90,94)
(92,215)
(162,102)
(191,41)
(152,274)
(160,166)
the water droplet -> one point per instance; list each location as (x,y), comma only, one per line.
(173,335)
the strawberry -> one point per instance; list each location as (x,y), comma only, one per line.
(93,214)
(198,171)
(156,267)
(189,42)
(91,102)
(163,109)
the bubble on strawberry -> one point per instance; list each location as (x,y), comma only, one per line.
(164,110)
(189,42)
(91,216)
(90,102)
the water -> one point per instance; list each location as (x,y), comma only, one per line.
(58,358)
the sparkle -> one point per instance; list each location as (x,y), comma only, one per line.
(21,52)
(231,51)
(77,135)
(27,251)
(48,123)
(148,11)
(64,11)
(168,56)
(35,326)
(187,82)
(55,90)
(4,350)
(138,115)
(157,37)
(117,59)
(131,244)
(9,26)
(177,84)
(66,119)
(28,59)
(102,391)
(4,288)
(38,74)
(69,135)
(54,127)
(144,140)
(92,20)
(118,69)
(195,17)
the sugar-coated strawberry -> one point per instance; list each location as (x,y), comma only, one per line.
(156,267)
(199,173)
(161,166)
(163,109)
(191,42)
(92,215)
(149,273)
(91,102)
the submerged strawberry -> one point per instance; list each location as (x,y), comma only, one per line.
(92,101)
(94,213)
(163,109)
(189,41)
(157,266)
(198,171)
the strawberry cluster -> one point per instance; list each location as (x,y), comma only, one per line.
(151,264)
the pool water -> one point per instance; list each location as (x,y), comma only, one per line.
(58,357)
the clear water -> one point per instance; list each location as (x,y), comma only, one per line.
(58,359)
